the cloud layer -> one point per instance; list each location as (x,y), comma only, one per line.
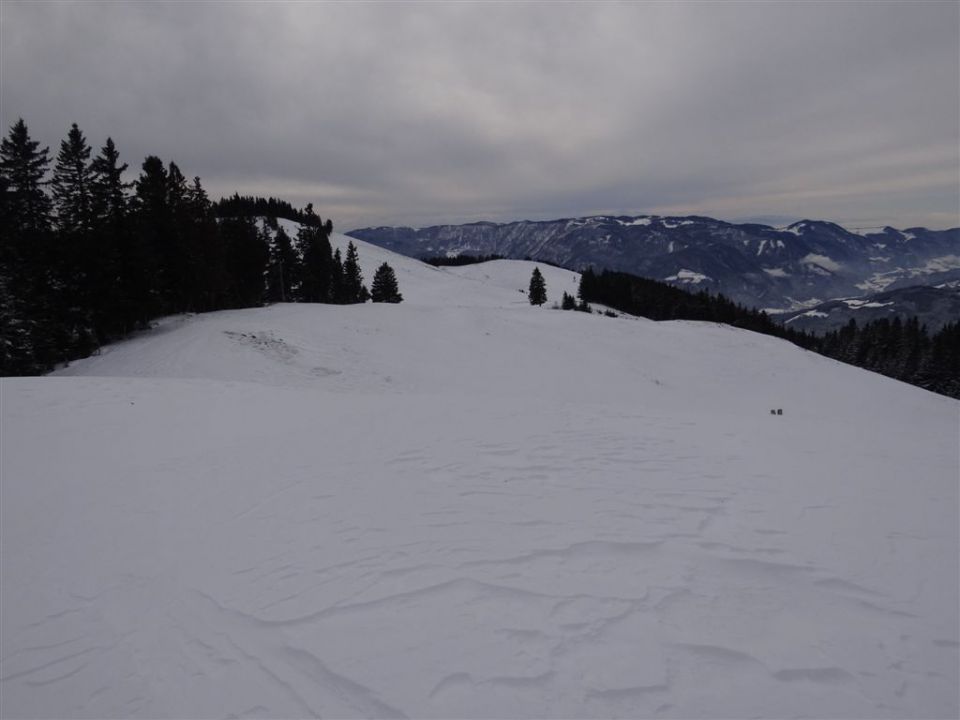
(423,113)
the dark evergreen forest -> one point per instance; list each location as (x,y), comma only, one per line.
(459,260)
(249,206)
(86,258)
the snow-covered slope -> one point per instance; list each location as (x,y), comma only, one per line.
(465,506)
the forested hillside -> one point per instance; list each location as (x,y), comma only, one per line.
(902,350)
(87,258)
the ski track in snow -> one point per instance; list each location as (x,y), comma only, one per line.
(476,510)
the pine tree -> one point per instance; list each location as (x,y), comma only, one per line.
(384,288)
(569,302)
(538,288)
(354,291)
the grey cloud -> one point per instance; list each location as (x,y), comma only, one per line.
(424,112)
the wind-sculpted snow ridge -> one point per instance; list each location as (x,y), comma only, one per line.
(465,506)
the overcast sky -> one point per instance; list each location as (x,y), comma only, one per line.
(453,112)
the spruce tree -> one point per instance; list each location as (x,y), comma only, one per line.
(538,288)
(76,257)
(247,255)
(384,288)
(212,277)
(178,252)
(111,244)
(153,226)
(354,291)
(282,268)
(29,327)
(107,189)
(72,184)
(23,167)
(317,268)
(336,278)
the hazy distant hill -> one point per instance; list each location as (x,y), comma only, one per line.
(933,306)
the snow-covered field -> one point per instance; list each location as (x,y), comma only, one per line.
(465,506)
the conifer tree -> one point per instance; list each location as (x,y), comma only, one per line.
(111,244)
(247,255)
(212,276)
(72,184)
(153,226)
(384,288)
(354,291)
(75,255)
(29,279)
(317,268)
(107,189)
(538,288)
(23,167)
(177,251)
(336,278)
(282,269)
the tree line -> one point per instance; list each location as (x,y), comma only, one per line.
(459,260)
(904,350)
(86,257)
(249,206)
(901,349)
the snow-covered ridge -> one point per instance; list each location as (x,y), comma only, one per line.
(466,506)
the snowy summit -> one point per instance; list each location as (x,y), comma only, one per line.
(467,506)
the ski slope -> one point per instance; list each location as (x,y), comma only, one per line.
(465,506)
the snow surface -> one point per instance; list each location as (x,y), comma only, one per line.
(809,313)
(855,304)
(687,276)
(465,506)
(821,261)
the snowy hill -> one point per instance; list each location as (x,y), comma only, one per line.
(465,506)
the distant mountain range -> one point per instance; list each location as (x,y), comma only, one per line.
(786,268)
(934,306)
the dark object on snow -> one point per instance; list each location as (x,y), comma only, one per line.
(384,288)
(538,288)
